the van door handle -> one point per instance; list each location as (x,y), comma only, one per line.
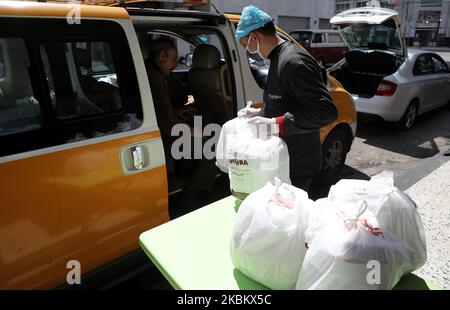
(137,157)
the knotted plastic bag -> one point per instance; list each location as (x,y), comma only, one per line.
(352,251)
(268,243)
(392,208)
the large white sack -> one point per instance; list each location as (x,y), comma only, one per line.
(268,243)
(393,209)
(353,252)
(250,161)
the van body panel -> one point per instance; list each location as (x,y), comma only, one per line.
(28,8)
(83,208)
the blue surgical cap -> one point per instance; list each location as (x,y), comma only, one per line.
(252,18)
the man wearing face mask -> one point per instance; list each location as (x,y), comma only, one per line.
(296,101)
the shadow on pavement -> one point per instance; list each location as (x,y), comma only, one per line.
(419,142)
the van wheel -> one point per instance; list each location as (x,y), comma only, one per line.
(409,118)
(334,153)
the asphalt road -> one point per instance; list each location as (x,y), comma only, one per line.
(379,146)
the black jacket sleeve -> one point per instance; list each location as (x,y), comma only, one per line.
(303,83)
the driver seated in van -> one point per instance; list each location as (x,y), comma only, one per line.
(161,61)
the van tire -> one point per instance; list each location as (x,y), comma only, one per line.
(409,117)
(334,153)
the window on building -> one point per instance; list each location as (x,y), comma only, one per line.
(19,110)
(431,3)
(387,4)
(342,5)
(360,4)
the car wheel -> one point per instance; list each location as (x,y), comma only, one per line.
(334,153)
(409,118)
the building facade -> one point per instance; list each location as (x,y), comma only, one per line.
(426,22)
(288,14)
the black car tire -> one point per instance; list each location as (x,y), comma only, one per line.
(334,154)
(409,117)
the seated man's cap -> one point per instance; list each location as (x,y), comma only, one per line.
(252,18)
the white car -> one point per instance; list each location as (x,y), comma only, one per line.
(386,79)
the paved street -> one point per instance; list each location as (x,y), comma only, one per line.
(378,146)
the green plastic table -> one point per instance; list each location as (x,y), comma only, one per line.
(192,251)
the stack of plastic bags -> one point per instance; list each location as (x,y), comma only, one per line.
(268,243)
(392,208)
(250,157)
(352,251)
(364,235)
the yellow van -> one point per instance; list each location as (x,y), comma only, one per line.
(82,164)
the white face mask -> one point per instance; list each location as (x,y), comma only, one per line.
(257,48)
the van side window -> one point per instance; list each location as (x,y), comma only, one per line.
(75,88)
(19,109)
(318,38)
(101,57)
(334,38)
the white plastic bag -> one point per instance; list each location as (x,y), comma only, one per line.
(316,216)
(250,162)
(352,252)
(268,243)
(393,209)
(231,128)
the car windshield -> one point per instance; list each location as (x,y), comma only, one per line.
(368,36)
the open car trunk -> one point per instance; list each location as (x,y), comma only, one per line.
(377,46)
(362,70)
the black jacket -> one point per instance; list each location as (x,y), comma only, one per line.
(296,95)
